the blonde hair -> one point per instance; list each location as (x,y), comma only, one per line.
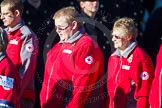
(127,25)
(70,14)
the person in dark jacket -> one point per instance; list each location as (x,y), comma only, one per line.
(96,30)
(99,32)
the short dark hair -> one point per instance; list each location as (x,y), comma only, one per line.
(13,5)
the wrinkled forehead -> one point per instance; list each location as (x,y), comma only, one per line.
(60,21)
(119,31)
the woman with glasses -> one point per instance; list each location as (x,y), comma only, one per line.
(130,69)
(73,76)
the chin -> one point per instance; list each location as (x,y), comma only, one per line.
(6,24)
(94,10)
(62,39)
(116,47)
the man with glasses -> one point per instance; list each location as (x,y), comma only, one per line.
(22,48)
(130,69)
(74,67)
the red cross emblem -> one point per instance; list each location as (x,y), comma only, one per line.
(144,75)
(29,47)
(89,60)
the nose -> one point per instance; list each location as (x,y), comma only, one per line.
(2,16)
(113,38)
(57,30)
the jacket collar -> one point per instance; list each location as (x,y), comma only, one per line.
(75,36)
(20,24)
(127,51)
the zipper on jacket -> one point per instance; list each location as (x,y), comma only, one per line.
(51,76)
(116,78)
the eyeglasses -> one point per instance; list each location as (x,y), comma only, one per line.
(62,28)
(117,37)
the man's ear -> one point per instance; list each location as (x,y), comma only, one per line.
(17,12)
(82,4)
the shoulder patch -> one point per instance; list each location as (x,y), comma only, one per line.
(6,82)
(29,47)
(89,59)
(144,75)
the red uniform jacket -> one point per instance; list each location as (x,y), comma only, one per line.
(73,75)
(156,89)
(9,83)
(22,49)
(129,78)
